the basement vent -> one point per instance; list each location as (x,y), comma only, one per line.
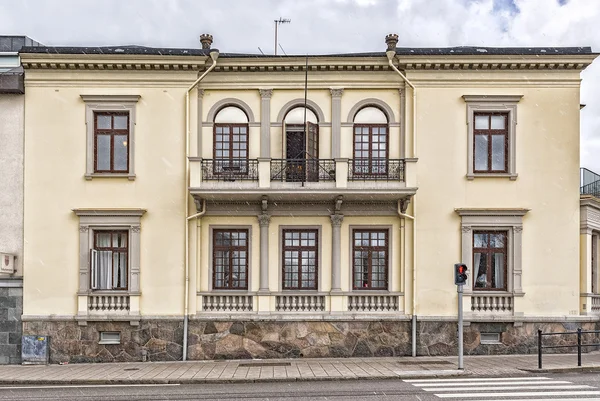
(490,338)
(110,337)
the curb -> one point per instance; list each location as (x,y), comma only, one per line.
(399,376)
(564,370)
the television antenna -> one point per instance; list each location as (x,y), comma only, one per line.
(277,23)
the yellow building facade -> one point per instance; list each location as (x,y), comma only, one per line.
(200,205)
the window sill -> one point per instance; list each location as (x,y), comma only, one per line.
(512,176)
(131,177)
(109,292)
(109,342)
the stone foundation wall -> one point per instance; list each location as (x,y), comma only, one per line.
(11,309)
(161,340)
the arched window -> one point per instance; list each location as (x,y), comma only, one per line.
(230,141)
(370,142)
(301,145)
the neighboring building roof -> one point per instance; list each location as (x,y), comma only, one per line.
(14,43)
(130,49)
(402,51)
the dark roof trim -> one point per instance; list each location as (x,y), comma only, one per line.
(400,51)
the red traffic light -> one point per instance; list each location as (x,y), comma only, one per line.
(460,274)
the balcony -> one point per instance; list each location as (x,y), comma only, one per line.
(304,179)
(303,171)
(230,170)
(376,170)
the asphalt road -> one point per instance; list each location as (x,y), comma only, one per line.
(579,386)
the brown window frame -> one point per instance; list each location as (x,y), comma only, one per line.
(112,132)
(231,248)
(244,160)
(369,248)
(488,252)
(113,249)
(300,248)
(370,172)
(488,133)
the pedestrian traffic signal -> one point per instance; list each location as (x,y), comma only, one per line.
(460,274)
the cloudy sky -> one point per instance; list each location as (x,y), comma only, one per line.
(323,26)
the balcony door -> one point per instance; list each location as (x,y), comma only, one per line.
(301,146)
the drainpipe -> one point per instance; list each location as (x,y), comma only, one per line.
(391,53)
(214,55)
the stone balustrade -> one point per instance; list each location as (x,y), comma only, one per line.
(107,303)
(215,302)
(492,303)
(374,303)
(300,303)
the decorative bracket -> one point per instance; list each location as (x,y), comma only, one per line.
(338,204)
(264,203)
(404,202)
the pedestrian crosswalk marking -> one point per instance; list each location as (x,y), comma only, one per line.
(519,394)
(475,379)
(494,383)
(506,388)
(496,388)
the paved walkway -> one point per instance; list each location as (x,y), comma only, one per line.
(288,369)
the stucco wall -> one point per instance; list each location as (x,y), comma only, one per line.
(547,153)
(54,175)
(11,177)
(547,166)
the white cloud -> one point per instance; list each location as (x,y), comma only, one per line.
(323,26)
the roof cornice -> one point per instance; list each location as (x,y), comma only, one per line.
(112,62)
(298,64)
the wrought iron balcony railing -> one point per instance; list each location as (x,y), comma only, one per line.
(302,170)
(592,188)
(229,170)
(376,170)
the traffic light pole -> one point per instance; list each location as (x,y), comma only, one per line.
(459,288)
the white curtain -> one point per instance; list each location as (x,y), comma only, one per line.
(104,269)
(476,259)
(499,269)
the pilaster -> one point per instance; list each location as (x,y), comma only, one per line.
(336,121)
(265,122)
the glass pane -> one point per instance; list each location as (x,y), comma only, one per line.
(482,122)
(498,152)
(481,152)
(120,152)
(498,122)
(480,240)
(102,152)
(497,240)
(103,121)
(120,122)
(102,240)
(480,266)
(498,270)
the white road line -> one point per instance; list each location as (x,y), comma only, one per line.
(86,386)
(480,379)
(489,383)
(519,394)
(502,388)
(555,399)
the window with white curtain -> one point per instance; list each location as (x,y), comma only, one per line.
(489,260)
(109,260)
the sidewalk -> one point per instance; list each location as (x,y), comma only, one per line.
(288,369)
